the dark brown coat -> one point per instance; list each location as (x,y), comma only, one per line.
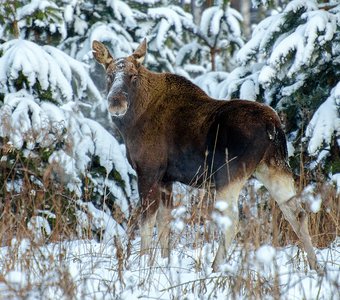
(175,132)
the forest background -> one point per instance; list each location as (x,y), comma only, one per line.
(63,168)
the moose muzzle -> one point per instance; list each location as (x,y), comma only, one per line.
(117,104)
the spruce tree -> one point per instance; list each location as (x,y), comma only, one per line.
(48,145)
(292,62)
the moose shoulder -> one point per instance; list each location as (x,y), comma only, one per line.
(175,132)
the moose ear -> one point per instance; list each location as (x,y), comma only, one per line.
(101,53)
(140,52)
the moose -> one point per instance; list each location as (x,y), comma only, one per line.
(174,132)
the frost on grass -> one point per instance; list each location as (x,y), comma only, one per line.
(91,270)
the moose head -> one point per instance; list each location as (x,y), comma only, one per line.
(122,75)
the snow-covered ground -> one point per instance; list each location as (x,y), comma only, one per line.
(87,269)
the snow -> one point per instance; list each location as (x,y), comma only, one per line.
(206,20)
(301,4)
(325,123)
(35,5)
(216,22)
(16,280)
(311,198)
(103,221)
(52,68)
(242,82)
(221,205)
(211,83)
(93,270)
(336,180)
(68,13)
(248,51)
(248,90)
(223,222)
(319,28)
(118,39)
(16,122)
(80,26)
(24,120)
(220,26)
(122,12)
(40,227)
(189,49)
(52,17)
(178,214)
(168,17)
(265,254)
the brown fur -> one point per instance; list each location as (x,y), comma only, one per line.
(175,132)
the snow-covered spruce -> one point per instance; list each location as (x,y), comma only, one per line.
(292,62)
(29,124)
(214,41)
(22,16)
(44,68)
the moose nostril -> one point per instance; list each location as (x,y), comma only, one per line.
(116,98)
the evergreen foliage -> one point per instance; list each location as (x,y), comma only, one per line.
(45,96)
(292,63)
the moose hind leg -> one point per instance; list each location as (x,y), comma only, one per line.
(227,217)
(280,184)
(297,217)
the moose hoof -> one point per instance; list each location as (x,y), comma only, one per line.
(318,268)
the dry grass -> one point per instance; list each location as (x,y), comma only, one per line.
(261,222)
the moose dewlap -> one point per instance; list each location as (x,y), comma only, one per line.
(174,131)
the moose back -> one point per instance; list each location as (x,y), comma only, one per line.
(174,131)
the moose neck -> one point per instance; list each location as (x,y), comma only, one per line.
(153,96)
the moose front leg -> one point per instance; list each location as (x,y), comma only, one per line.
(164,218)
(150,204)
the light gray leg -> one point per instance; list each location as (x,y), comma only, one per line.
(227,218)
(163,224)
(146,232)
(281,186)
